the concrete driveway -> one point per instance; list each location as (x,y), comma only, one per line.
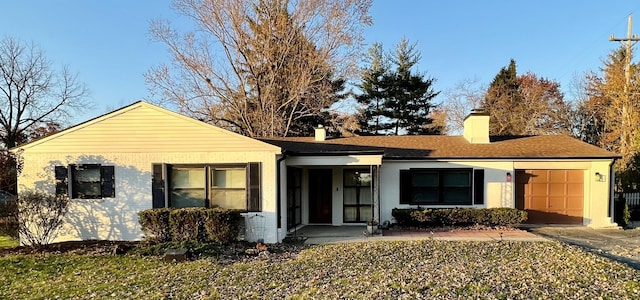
(617,244)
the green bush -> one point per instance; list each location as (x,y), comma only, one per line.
(187,224)
(155,224)
(190,225)
(622,215)
(222,225)
(425,218)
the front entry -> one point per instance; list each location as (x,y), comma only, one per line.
(320,191)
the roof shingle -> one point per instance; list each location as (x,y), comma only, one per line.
(438,147)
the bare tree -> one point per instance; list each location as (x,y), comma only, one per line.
(32,92)
(466,95)
(258,66)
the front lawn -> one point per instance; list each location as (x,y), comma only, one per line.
(410,270)
(6,242)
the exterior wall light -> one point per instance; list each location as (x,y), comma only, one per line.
(600,177)
(508,176)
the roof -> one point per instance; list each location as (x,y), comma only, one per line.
(446,147)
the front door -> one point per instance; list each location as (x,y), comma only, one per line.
(320,190)
(357,196)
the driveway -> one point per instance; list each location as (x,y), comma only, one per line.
(617,244)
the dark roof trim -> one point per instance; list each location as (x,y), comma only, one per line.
(335,153)
(497,157)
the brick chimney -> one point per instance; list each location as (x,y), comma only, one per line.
(476,127)
(320,133)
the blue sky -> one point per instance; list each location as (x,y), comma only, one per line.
(107,42)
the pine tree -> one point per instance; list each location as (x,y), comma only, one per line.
(408,94)
(373,96)
(502,101)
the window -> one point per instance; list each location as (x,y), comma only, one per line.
(294,197)
(87,181)
(235,186)
(436,186)
(357,195)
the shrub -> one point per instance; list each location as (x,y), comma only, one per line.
(222,225)
(622,214)
(187,224)
(404,216)
(39,216)
(459,217)
(155,224)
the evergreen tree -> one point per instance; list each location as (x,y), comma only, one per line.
(373,96)
(396,99)
(502,101)
(408,95)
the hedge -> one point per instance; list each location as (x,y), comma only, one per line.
(190,225)
(435,217)
(155,224)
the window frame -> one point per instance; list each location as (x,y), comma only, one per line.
(67,184)
(252,184)
(408,188)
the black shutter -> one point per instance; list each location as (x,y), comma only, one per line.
(157,186)
(108,181)
(253,192)
(405,187)
(478,186)
(72,179)
(62,182)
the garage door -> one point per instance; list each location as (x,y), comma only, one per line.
(551,196)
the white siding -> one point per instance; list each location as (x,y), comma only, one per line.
(499,192)
(145,128)
(116,218)
(132,139)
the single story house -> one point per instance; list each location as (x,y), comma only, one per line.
(142,156)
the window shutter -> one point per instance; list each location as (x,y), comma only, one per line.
(405,187)
(62,182)
(108,181)
(478,186)
(157,186)
(74,186)
(253,192)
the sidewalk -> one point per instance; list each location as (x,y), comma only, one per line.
(313,235)
(464,235)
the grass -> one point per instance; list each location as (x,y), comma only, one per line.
(401,270)
(7,242)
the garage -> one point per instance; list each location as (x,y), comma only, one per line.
(551,196)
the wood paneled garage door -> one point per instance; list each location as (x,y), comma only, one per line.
(551,196)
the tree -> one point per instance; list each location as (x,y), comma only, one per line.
(372,98)
(525,104)
(543,109)
(32,92)
(466,95)
(409,94)
(502,101)
(590,109)
(395,99)
(259,67)
(609,114)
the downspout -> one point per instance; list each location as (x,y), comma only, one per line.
(278,188)
(612,198)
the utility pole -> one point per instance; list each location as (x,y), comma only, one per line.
(627,134)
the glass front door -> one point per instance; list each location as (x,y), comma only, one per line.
(357,195)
